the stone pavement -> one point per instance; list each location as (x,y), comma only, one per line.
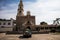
(34,37)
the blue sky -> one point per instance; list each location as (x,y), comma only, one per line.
(7,2)
(44,10)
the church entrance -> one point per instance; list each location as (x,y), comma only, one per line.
(28,27)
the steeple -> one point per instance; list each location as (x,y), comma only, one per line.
(20,9)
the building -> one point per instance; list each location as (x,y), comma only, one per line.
(6,24)
(23,21)
(28,21)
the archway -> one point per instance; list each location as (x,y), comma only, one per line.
(53,31)
(28,27)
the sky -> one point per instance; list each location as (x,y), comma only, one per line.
(43,10)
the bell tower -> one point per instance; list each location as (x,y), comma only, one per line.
(20,9)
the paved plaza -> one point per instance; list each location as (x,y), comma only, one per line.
(3,36)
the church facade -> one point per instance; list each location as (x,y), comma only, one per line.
(23,21)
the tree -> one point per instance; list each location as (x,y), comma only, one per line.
(43,23)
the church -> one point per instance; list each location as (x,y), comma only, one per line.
(23,21)
(28,21)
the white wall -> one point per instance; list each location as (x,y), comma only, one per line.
(6,23)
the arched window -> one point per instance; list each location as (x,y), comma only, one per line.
(9,23)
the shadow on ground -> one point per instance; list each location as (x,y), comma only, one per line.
(22,37)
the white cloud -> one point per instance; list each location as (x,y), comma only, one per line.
(44,10)
(9,11)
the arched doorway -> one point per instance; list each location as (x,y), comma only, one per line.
(28,27)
